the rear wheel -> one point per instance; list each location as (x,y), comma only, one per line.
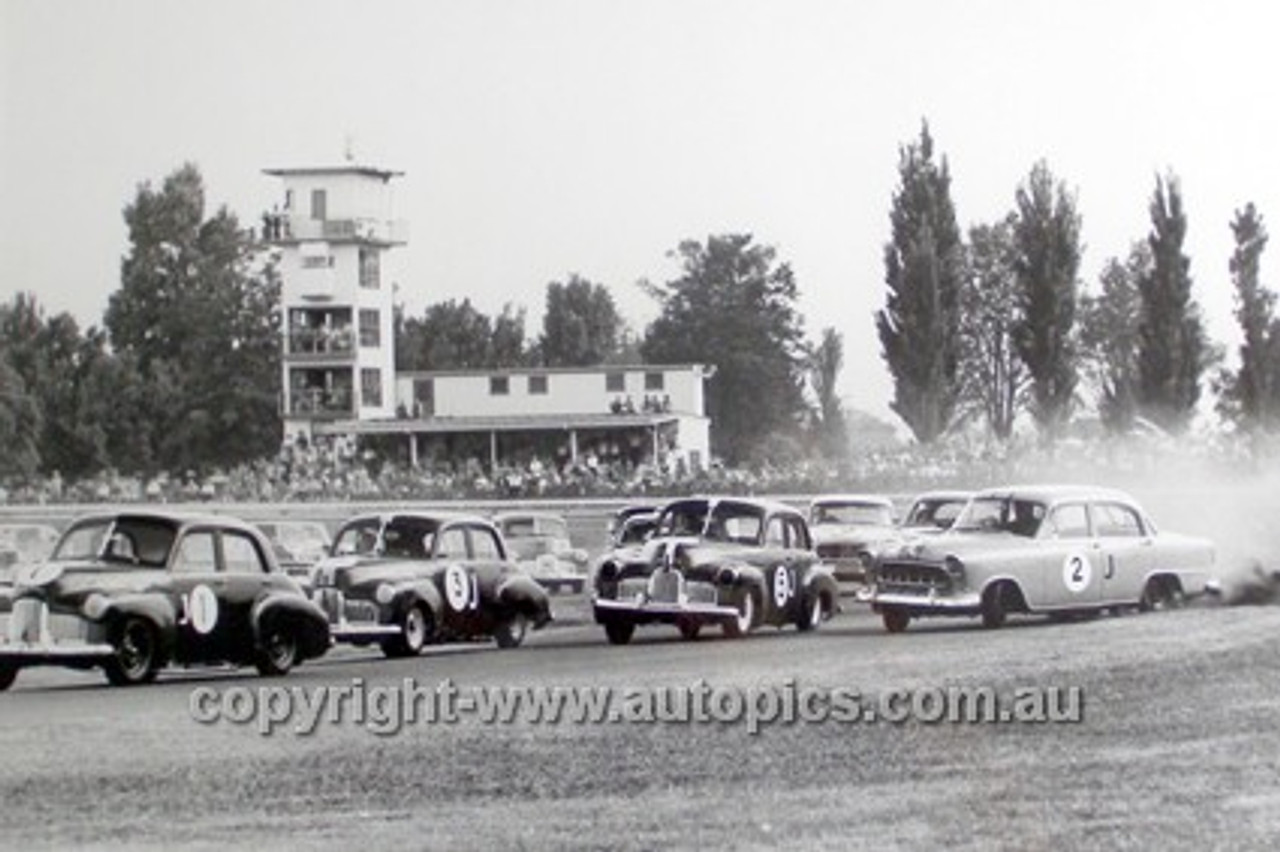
(895,620)
(137,656)
(1160,593)
(619,632)
(8,674)
(510,633)
(415,629)
(279,651)
(746,620)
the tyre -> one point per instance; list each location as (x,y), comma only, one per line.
(415,631)
(279,651)
(1160,593)
(619,632)
(510,633)
(993,611)
(810,614)
(137,656)
(895,620)
(8,674)
(689,630)
(746,620)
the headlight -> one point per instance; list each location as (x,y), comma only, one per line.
(384,594)
(95,606)
(954,568)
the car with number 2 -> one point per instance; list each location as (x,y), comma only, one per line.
(134,591)
(734,562)
(403,580)
(1057,550)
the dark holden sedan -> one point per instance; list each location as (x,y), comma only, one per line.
(405,579)
(134,591)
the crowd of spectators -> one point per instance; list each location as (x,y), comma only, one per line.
(344,473)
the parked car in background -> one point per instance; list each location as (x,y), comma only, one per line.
(1058,550)
(848,529)
(405,579)
(20,542)
(539,543)
(297,544)
(735,562)
(934,511)
(132,592)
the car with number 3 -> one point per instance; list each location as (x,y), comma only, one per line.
(405,579)
(734,562)
(134,591)
(1057,550)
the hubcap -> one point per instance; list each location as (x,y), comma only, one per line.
(415,629)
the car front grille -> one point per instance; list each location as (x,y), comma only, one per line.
(912,578)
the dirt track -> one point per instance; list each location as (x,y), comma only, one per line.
(1177,748)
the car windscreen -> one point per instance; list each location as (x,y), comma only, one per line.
(934,513)
(736,522)
(864,514)
(143,542)
(409,537)
(358,538)
(1001,514)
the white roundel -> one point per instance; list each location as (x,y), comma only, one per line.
(782,587)
(202,609)
(1076,572)
(457,587)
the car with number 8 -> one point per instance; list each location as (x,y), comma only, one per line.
(1058,550)
(734,562)
(403,580)
(134,591)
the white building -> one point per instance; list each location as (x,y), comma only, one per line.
(335,232)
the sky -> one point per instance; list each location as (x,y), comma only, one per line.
(546,138)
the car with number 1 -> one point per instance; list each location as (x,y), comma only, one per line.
(134,591)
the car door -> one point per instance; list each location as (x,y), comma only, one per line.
(459,586)
(1127,550)
(1071,558)
(200,586)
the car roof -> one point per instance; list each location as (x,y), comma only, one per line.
(440,517)
(769,505)
(942,494)
(1051,493)
(176,516)
(864,499)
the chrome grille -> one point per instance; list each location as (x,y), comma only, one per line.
(911,578)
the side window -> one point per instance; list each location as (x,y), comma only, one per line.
(241,555)
(196,554)
(1069,521)
(775,534)
(453,544)
(1117,521)
(797,536)
(484,543)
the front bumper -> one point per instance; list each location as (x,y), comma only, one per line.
(664,597)
(963,604)
(32,635)
(352,620)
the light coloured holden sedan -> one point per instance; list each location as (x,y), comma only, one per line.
(848,529)
(1058,550)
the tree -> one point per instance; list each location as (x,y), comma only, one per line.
(924,268)
(825,362)
(455,335)
(581,326)
(734,307)
(200,301)
(1046,235)
(20,423)
(1251,395)
(1173,351)
(1109,338)
(992,373)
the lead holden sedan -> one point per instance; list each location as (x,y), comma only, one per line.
(735,562)
(1058,550)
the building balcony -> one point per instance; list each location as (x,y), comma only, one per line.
(287,229)
(321,404)
(321,344)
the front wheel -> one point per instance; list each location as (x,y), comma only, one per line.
(619,632)
(746,620)
(8,674)
(279,652)
(810,614)
(137,656)
(993,610)
(415,628)
(512,631)
(895,620)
